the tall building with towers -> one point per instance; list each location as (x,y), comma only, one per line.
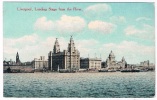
(68,59)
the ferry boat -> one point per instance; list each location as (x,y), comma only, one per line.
(103,70)
(107,70)
(130,70)
(112,70)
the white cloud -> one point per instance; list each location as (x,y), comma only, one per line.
(86,47)
(66,24)
(25,40)
(70,24)
(143,18)
(146,32)
(102,27)
(118,19)
(132,51)
(43,24)
(31,47)
(11,46)
(131,30)
(98,11)
(32,50)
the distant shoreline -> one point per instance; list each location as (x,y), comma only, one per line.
(80,72)
(30,69)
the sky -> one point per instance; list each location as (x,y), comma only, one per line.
(128,29)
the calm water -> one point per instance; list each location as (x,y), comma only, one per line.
(99,85)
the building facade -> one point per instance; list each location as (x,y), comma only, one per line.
(122,63)
(90,63)
(145,63)
(68,59)
(113,64)
(40,64)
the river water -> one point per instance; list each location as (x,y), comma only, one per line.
(82,85)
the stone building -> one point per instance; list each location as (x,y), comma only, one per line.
(122,63)
(112,63)
(90,63)
(68,59)
(145,63)
(40,64)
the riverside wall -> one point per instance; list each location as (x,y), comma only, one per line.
(18,69)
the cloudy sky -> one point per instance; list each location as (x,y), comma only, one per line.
(127,29)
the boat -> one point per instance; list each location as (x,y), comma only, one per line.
(66,71)
(135,70)
(107,70)
(130,70)
(111,70)
(102,70)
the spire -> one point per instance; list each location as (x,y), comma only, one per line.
(17,54)
(71,46)
(56,48)
(71,40)
(17,58)
(111,54)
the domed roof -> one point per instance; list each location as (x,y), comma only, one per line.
(111,54)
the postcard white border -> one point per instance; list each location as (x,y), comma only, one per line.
(1,47)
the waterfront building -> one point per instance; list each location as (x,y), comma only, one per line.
(110,61)
(68,59)
(145,63)
(9,63)
(27,63)
(122,63)
(113,64)
(40,64)
(90,63)
(103,64)
(17,62)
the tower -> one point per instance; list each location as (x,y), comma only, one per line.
(111,56)
(56,48)
(73,56)
(123,59)
(17,59)
(71,46)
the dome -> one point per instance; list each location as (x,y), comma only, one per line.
(111,54)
